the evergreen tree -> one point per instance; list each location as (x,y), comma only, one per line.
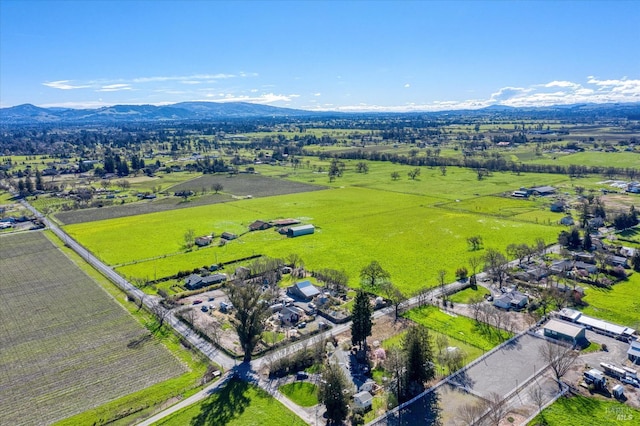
(331,394)
(39,184)
(587,244)
(635,261)
(361,323)
(28,185)
(419,358)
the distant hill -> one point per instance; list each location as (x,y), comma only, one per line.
(202,111)
(28,113)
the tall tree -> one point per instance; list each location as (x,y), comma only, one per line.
(250,313)
(373,277)
(419,356)
(361,323)
(393,293)
(331,394)
(496,265)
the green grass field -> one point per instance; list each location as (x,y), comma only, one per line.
(602,159)
(620,304)
(66,345)
(408,237)
(302,393)
(457,327)
(236,404)
(581,411)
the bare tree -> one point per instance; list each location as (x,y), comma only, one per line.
(497,408)
(393,293)
(496,265)
(475,263)
(442,274)
(560,358)
(160,312)
(475,303)
(250,314)
(537,395)
(217,187)
(470,414)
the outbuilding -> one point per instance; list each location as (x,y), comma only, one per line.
(304,290)
(296,231)
(564,331)
(634,351)
(362,401)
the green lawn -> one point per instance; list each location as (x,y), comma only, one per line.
(458,327)
(471,352)
(465,296)
(302,393)
(236,404)
(582,411)
(620,304)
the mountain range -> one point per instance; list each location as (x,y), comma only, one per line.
(186,111)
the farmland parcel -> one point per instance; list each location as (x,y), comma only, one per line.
(66,344)
(406,233)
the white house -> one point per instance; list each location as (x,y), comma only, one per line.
(362,401)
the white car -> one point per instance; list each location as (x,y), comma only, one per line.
(630,381)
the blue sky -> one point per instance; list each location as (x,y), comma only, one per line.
(320,55)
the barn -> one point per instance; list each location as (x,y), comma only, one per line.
(565,331)
(296,231)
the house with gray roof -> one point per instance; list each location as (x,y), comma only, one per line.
(304,290)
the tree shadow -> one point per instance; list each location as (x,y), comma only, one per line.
(225,405)
(139,341)
(463,380)
(423,411)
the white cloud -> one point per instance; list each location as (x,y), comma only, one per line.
(115,87)
(265,98)
(317,94)
(557,83)
(407,85)
(64,85)
(188,78)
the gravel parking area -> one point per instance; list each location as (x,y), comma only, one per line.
(505,369)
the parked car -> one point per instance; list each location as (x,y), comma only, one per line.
(302,325)
(629,381)
(204,308)
(197,302)
(301,375)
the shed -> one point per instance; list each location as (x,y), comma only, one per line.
(362,401)
(543,190)
(296,231)
(618,391)
(259,225)
(203,241)
(565,331)
(569,314)
(634,351)
(228,236)
(285,222)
